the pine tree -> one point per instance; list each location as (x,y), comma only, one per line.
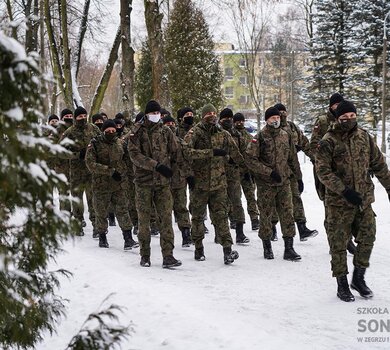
(194,74)
(31,226)
(143,77)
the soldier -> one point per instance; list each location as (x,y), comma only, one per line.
(185,117)
(320,128)
(208,146)
(152,147)
(51,134)
(345,157)
(272,157)
(236,211)
(104,159)
(300,142)
(180,178)
(98,120)
(81,134)
(248,186)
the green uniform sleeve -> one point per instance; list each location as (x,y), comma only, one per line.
(92,164)
(136,156)
(252,158)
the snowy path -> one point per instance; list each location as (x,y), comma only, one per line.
(253,304)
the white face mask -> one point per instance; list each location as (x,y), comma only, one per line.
(154,118)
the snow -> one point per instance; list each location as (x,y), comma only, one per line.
(252,304)
(15,113)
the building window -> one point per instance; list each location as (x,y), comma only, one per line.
(244,99)
(244,80)
(228,73)
(229,92)
(242,62)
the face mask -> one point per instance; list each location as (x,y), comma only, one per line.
(348,124)
(99,125)
(211,119)
(154,118)
(110,136)
(68,121)
(275,124)
(227,123)
(81,122)
(189,120)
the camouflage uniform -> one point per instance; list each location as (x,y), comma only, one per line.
(273,150)
(102,159)
(248,187)
(80,177)
(182,130)
(210,180)
(151,144)
(343,161)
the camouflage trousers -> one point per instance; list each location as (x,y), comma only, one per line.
(180,207)
(249,189)
(130,193)
(236,211)
(103,201)
(341,222)
(77,190)
(160,198)
(298,210)
(275,199)
(217,202)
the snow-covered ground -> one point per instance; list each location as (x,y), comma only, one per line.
(252,304)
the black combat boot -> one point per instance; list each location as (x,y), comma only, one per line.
(111,219)
(170,261)
(274,236)
(199,254)
(343,291)
(289,252)
(130,243)
(154,231)
(233,224)
(103,240)
(359,284)
(268,253)
(95,234)
(229,255)
(255,224)
(185,232)
(145,261)
(240,236)
(304,232)
(351,247)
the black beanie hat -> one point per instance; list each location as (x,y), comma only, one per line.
(168,119)
(139,116)
(152,106)
(96,117)
(226,113)
(238,117)
(52,116)
(271,112)
(335,98)
(119,116)
(183,111)
(280,107)
(108,124)
(163,111)
(119,121)
(345,107)
(65,112)
(79,110)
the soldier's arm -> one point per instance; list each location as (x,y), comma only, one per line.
(139,159)
(293,161)
(190,152)
(252,158)
(316,137)
(324,167)
(304,143)
(93,165)
(235,153)
(378,165)
(67,142)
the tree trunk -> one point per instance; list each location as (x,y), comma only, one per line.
(42,56)
(153,19)
(80,39)
(14,32)
(68,91)
(101,89)
(127,73)
(31,13)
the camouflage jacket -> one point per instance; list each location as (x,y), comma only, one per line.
(180,173)
(320,128)
(246,137)
(299,140)
(182,130)
(81,138)
(148,146)
(102,159)
(344,160)
(210,171)
(272,149)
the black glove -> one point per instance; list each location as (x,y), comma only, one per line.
(116,176)
(300,186)
(219,152)
(298,148)
(164,170)
(191,182)
(82,154)
(352,196)
(276,177)
(248,177)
